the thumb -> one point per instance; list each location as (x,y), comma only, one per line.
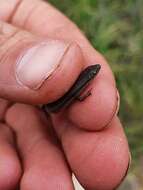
(34,70)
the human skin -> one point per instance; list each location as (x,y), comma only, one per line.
(39,151)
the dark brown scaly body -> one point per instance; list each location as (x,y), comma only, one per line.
(75,91)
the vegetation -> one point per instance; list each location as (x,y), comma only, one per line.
(115,28)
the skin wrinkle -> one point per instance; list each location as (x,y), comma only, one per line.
(31,11)
(8,38)
(17,5)
(17,40)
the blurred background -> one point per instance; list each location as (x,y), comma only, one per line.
(115,28)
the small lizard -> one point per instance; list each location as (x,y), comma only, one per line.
(75,91)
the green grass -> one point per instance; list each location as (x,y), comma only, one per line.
(115,28)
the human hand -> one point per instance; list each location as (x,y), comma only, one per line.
(91,140)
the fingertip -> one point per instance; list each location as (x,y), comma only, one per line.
(105,154)
(39,71)
(97,110)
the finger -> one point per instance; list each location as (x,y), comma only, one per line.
(44,164)
(104,100)
(31,69)
(103,154)
(10,169)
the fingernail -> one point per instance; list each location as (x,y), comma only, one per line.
(126,172)
(118,102)
(39,62)
(128,167)
(116,110)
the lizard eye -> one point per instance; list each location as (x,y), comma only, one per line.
(93,73)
